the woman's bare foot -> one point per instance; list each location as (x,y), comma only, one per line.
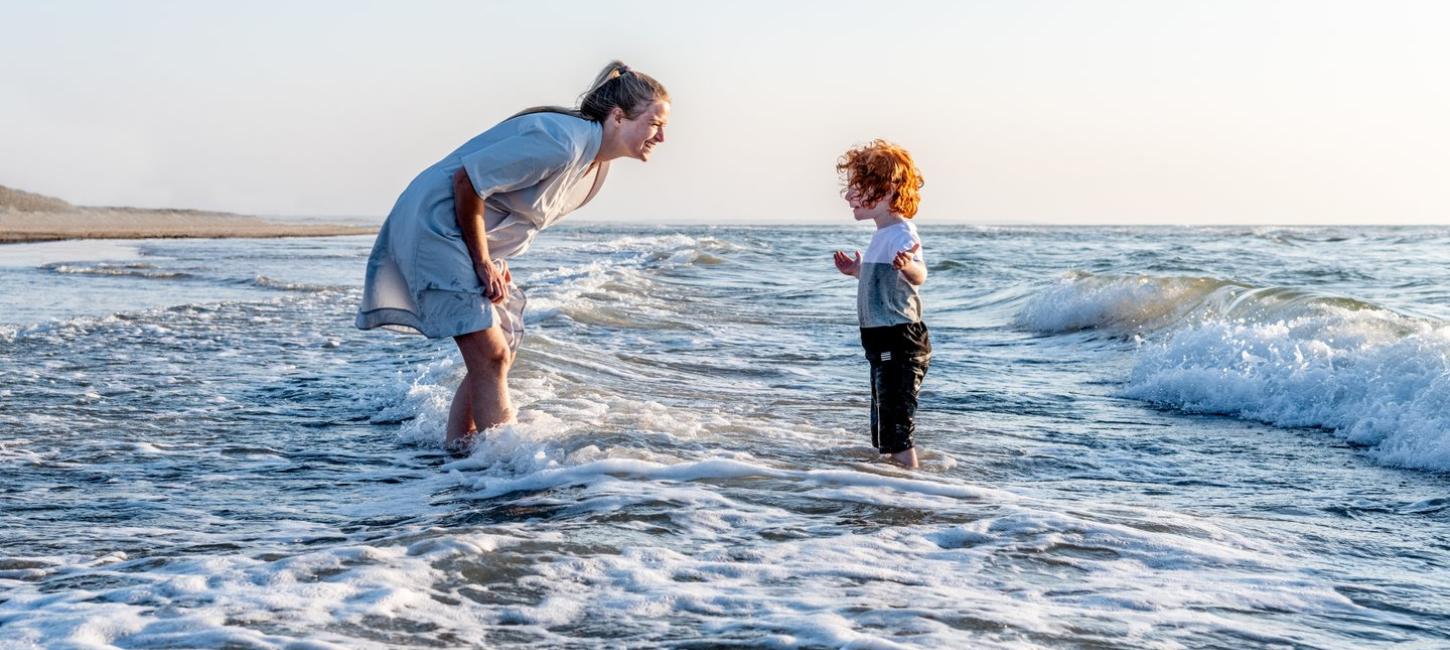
(461,446)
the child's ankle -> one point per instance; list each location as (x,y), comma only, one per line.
(905,459)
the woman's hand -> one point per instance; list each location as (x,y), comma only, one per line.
(468,211)
(846,265)
(495,279)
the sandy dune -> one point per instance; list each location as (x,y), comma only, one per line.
(27,216)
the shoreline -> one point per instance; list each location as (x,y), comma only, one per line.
(110,223)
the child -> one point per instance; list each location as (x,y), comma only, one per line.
(883,185)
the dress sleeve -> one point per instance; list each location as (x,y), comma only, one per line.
(516,162)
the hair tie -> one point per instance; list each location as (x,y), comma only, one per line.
(623,70)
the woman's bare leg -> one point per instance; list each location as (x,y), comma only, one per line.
(460,413)
(487,356)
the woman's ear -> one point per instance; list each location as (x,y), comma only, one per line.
(617,114)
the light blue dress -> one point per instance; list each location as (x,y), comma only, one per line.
(532,170)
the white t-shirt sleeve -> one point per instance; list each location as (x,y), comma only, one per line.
(905,241)
(516,162)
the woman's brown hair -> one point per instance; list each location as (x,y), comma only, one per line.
(616,86)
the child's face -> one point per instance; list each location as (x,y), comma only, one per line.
(865,212)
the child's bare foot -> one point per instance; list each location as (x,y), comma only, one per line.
(905,459)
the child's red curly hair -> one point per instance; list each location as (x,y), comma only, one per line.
(881,170)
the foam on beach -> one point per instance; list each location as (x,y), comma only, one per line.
(1277,355)
(581,459)
(584,454)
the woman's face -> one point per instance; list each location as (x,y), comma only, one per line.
(640,135)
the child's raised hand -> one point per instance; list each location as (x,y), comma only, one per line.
(903,258)
(846,265)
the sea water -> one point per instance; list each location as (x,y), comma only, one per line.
(1131,437)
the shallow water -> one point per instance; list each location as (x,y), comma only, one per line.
(1146,437)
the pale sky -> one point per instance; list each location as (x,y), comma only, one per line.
(1071,112)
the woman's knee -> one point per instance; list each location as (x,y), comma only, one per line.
(485,351)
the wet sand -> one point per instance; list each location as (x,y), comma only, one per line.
(131,223)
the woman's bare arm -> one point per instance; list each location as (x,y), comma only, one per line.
(468,210)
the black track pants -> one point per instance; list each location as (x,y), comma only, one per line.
(899,357)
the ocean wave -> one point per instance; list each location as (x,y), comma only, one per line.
(1281,235)
(608,293)
(943,266)
(661,252)
(1127,305)
(685,257)
(1277,355)
(656,243)
(299,600)
(153,272)
(138,325)
(136,269)
(615,282)
(163,325)
(511,584)
(680,471)
(1372,377)
(727,587)
(266,282)
(1118,305)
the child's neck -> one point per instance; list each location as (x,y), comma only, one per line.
(888,219)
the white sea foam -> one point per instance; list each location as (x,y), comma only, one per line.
(1339,370)
(220,600)
(1284,357)
(134,269)
(897,586)
(884,586)
(894,585)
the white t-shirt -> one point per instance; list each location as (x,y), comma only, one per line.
(883,297)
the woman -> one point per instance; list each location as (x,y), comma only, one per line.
(438,266)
